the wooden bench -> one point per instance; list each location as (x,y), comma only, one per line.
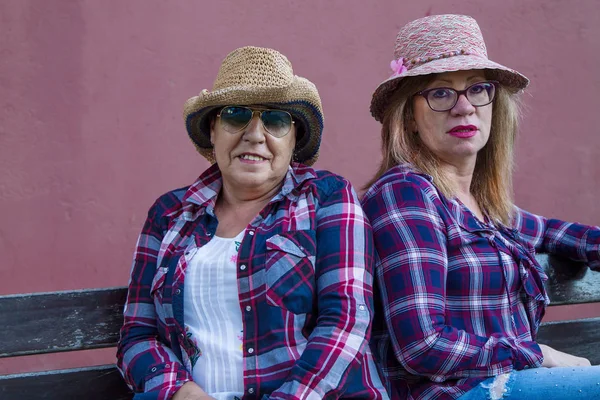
(90,319)
(572,283)
(56,322)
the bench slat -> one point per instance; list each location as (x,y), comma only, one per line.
(580,337)
(570,282)
(62,321)
(92,383)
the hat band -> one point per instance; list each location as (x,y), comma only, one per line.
(402,65)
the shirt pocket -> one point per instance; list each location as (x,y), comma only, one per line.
(290,271)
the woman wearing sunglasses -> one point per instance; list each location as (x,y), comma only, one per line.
(255,281)
(462,295)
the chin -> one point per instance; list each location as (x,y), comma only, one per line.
(251,179)
(468,149)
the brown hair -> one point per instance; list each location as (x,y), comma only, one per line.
(492,178)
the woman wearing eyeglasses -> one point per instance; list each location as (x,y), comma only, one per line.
(461,292)
(255,281)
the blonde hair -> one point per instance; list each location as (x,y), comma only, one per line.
(492,178)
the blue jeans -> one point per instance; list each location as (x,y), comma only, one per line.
(540,383)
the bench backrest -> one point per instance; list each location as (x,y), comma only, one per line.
(90,319)
(572,283)
(56,322)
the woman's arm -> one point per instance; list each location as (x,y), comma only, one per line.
(555,358)
(412,266)
(146,363)
(575,241)
(191,391)
(343,273)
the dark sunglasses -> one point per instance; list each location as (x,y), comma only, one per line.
(234,119)
(443,99)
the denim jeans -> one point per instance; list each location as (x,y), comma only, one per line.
(540,383)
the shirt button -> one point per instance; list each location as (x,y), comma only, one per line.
(178,292)
(248,308)
(153,369)
(361,308)
(251,233)
(250,350)
(251,390)
(242,267)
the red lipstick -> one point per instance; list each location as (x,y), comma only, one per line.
(463,131)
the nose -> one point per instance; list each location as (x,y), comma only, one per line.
(255,131)
(463,106)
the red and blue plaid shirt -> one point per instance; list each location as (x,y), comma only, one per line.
(304,270)
(457,301)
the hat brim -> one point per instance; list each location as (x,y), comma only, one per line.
(506,76)
(300,99)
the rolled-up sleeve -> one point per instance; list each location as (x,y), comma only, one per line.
(576,241)
(145,362)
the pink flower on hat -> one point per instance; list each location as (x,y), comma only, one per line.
(398,67)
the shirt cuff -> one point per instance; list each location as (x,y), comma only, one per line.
(163,380)
(521,361)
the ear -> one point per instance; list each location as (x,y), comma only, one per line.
(212,131)
(412,123)
(294,133)
(413,126)
(293,144)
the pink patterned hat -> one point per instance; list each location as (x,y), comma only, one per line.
(438,44)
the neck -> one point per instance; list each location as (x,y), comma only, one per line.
(461,176)
(235,197)
(235,208)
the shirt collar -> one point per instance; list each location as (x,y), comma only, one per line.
(203,192)
(296,175)
(408,167)
(465,218)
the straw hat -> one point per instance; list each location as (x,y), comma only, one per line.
(437,44)
(259,76)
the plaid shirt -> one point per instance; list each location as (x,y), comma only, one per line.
(457,301)
(304,273)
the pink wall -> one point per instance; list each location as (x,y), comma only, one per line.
(91,95)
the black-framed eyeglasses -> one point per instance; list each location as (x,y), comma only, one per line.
(234,119)
(443,98)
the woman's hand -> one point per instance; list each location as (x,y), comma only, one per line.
(554,358)
(191,391)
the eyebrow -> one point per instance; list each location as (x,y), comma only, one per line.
(441,81)
(446,81)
